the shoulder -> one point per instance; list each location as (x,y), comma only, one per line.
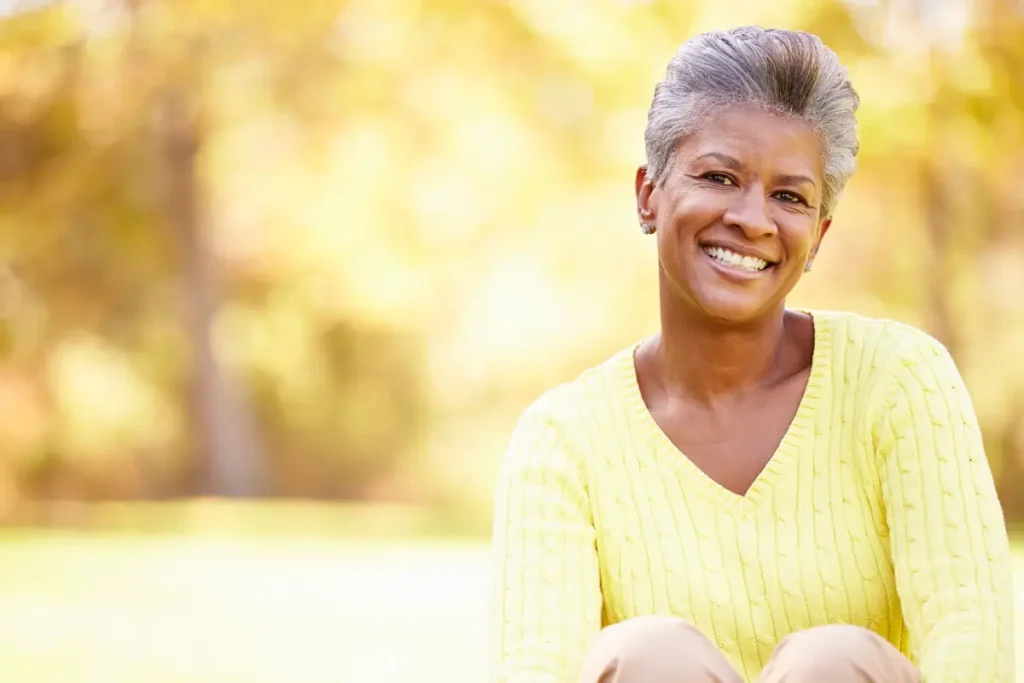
(573,401)
(884,361)
(550,442)
(879,345)
(572,411)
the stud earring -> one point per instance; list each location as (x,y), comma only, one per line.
(809,266)
(647,228)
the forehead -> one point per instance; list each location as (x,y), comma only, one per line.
(759,140)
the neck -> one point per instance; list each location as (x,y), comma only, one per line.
(733,358)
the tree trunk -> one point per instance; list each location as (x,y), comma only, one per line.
(232,462)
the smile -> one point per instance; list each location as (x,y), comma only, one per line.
(750,264)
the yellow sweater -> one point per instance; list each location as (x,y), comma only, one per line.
(878,509)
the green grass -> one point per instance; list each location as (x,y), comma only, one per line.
(189,610)
(261,518)
(127,608)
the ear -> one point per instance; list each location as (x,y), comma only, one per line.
(822,229)
(644,189)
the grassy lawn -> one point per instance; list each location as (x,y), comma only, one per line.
(166,610)
(180,609)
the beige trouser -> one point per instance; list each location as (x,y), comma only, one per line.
(669,650)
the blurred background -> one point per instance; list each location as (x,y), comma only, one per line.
(276,280)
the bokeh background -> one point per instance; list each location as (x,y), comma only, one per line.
(276,280)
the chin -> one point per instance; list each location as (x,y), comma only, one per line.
(735,309)
(726,298)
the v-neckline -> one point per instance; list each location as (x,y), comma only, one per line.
(785,454)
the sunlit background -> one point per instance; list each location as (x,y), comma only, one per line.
(276,279)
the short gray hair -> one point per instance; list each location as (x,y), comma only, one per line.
(789,73)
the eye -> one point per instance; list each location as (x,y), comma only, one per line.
(720,178)
(791,198)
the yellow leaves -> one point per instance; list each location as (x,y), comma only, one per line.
(589,33)
(104,406)
(622,140)
(970,72)
(535,302)
(456,209)
(1003,279)
(30,83)
(23,418)
(38,24)
(452,170)
(493,149)
(380,289)
(716,16)
(891,95)
(277,342)
(370,32)
(884,90)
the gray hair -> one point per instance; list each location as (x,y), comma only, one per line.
(789,73)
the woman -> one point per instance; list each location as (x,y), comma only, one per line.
(754,493)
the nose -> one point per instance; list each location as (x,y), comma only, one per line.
(749,212)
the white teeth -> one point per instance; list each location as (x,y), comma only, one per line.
(748,263)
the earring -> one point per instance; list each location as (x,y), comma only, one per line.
(810,264)
(647,228)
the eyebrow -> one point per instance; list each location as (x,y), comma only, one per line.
(797,180)
(729,161)
(736,165)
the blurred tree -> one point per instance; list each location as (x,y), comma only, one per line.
(291,249)
(976,223)
(109,116)
(234,461)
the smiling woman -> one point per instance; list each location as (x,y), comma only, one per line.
(754,492)
(738,213)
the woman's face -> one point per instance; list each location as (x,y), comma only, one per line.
(738,215)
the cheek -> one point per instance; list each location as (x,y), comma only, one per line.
(798,234)
(696,200)
(691,213)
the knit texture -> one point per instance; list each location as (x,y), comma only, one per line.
(878,509)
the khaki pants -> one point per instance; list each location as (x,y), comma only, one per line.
(669,650)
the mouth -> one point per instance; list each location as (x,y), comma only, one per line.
(730,259)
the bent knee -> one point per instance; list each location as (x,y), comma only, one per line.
(648,633)
(652,649)
(831,643)
(829,650)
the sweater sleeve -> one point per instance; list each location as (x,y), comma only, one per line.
(948,537)
(546,601)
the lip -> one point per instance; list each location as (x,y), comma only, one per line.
(742,251)
(732,273)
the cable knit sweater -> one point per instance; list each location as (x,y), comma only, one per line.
(877,509)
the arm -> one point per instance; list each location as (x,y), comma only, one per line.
(947,534)
(546,602)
